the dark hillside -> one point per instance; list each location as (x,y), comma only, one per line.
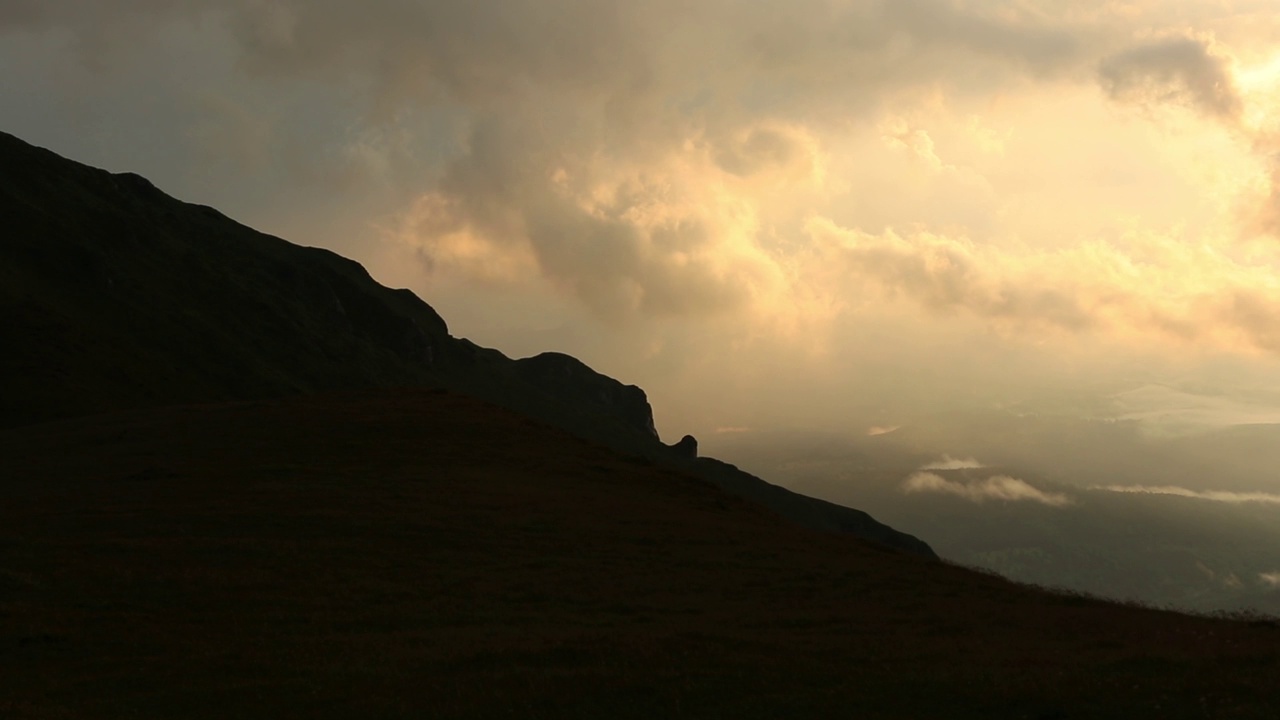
(114,295)
(409,554)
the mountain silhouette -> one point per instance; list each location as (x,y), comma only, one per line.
(238,478)
(118,296)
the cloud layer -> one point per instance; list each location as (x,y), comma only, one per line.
(996,487)
(1224,496)
(946,462)
(760,211)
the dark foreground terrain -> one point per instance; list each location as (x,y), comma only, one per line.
(420,554)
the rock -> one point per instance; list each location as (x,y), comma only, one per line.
(687,448)
(568,378)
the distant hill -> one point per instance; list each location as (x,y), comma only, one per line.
(114,296)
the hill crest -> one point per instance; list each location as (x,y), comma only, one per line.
(114,295)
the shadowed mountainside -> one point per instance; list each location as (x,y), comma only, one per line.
(419,553)
(114,295)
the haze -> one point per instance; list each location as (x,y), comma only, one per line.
(836,216)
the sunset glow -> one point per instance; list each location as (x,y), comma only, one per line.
(765,213)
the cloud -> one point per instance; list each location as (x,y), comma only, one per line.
(626,154)
(802,203)
(1178,69)
(1224,496)
(949,463)
(876,430)
(643,176)
(656,159)
(1195,71)
(1271,579)
(946,274)
(1146,287)
(997,487)
(628,239)
(1177,411)
(754,150)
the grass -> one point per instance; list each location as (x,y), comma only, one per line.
(421,554)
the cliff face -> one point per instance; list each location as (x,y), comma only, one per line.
(569,378)
(114,295)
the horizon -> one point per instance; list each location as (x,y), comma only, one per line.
(925,220)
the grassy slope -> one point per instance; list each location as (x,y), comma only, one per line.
(421,554)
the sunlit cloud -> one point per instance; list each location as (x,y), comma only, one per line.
(946,462)
(876,430)
(1179,292)
(1224,496)
(1271,579)
(724,201)
(997,487)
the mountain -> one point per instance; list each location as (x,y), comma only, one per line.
(114,295)
(238,478)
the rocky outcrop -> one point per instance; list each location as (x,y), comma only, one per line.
(571,380)
(686,449)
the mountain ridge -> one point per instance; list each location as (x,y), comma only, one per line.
(409,551)
(117,296)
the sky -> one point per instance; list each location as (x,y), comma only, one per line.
(810,213)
